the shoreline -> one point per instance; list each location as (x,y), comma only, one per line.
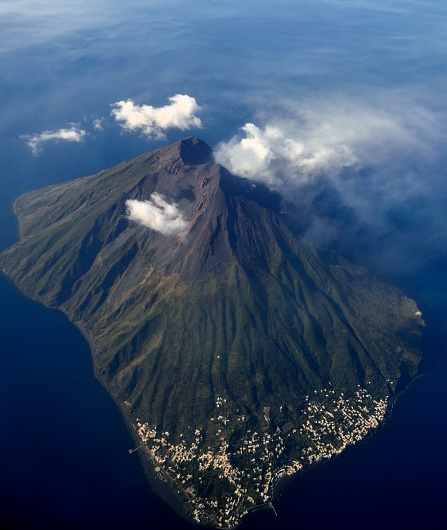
(164,489)
(286,480)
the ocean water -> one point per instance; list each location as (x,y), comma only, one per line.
(359,85)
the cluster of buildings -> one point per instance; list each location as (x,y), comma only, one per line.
(221,478)
(330,426)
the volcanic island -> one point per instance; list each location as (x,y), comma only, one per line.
(238,352)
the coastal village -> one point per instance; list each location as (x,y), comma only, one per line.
(220,476)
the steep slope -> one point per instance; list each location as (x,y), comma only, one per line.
(236,350)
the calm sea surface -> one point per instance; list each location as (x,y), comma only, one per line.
(359,83)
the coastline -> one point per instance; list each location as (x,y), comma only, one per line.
(166,489)
(284,481)
(162,488)
(394,399)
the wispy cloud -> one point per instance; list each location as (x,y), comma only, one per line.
(97,124)
(152,121)
(305,144)
(73,134)
(371,170)
(157,214)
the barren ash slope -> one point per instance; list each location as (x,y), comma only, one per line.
(237,351)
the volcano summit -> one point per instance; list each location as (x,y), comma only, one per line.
(237,351)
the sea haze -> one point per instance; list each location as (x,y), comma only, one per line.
(339,105)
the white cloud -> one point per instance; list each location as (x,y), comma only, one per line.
(97,124)
(274,153)
(325,138)
(369,164)
(152,121)
(74,134)
(157,214)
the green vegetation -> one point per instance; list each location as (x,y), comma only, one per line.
(230,330)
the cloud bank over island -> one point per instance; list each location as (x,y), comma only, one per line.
(326,139)
(73,134)
(364,169)
(153,121)
(338,144)
(157,214)
(266,154)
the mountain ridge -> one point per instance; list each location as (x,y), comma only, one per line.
(235,327)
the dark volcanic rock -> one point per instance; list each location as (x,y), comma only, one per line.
(237,350)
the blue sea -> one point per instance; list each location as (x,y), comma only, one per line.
(335,102)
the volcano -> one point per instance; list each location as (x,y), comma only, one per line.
(238,352)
